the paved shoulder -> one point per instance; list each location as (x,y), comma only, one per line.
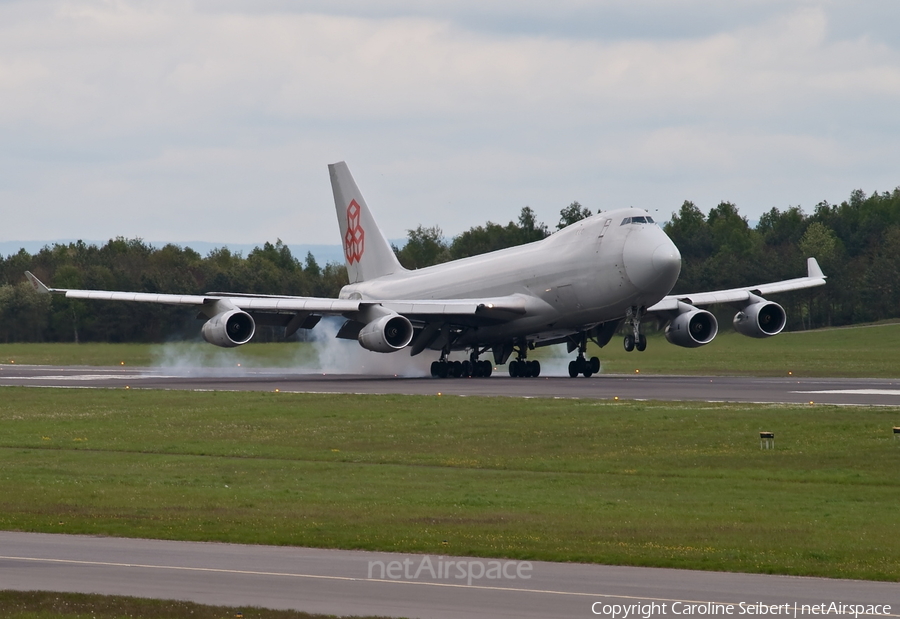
(440,587)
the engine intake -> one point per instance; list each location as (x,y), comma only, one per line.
(389,333)
(692,327)
(760,319)
(229,329)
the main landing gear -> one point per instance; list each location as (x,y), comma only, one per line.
(635,339)
(581,365)
(521,367)
(586,367)
(470,368)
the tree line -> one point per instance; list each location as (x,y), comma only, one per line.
(856,242)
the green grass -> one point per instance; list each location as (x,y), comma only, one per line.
(871,351)
(664,484)
(868,351)
(46,605)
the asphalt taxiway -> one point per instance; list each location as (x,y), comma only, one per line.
(855,391)
(354,583)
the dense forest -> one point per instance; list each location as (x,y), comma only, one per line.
(856,242)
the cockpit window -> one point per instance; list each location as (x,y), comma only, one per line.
(637,220)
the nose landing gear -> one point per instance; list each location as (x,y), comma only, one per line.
(635,339)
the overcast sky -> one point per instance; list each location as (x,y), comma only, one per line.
(214,121)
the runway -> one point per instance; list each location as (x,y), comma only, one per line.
(843,391)
(351,583)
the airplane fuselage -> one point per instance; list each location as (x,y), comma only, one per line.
(588,273)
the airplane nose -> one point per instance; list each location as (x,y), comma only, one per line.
(652,264)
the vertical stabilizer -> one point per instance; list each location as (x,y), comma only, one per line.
(366,251)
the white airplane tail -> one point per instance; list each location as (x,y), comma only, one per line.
(367,252)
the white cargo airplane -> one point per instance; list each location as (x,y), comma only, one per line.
(575,286)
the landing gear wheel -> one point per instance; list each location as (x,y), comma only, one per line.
(435,369)
(641,344)
(466,369)
(573,368)
(455,369)
(486,368)
(514,369)
(629,343)
(595,365)
(586,369)
(535,368)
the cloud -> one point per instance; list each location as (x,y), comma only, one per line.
(214,121)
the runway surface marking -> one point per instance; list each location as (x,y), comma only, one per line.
(378,580)
(856,391)
(96,377)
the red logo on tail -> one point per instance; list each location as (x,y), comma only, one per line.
(355,239)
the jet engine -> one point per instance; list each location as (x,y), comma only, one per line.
(388,333)
(229,329)
(693,327)
(760,319)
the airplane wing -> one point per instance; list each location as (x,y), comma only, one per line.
(469,311)
(814,277)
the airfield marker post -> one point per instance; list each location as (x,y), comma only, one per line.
(767,440)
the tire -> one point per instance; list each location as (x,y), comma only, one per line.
(435,369)
(477,369)
(487,369)
(641,343)
(595,365)
(455,369)
(529,369)
(629,343)
(573,369)
(514,369)
(536,369)
(443,370)
(466,368)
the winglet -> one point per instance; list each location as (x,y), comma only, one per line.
(37,284)
(813,271)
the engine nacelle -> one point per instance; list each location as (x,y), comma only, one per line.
(389,333)
(760,319)
(692,328)
(229,329)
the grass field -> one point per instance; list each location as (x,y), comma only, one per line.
(866,351)
(680,485)
(46,605)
